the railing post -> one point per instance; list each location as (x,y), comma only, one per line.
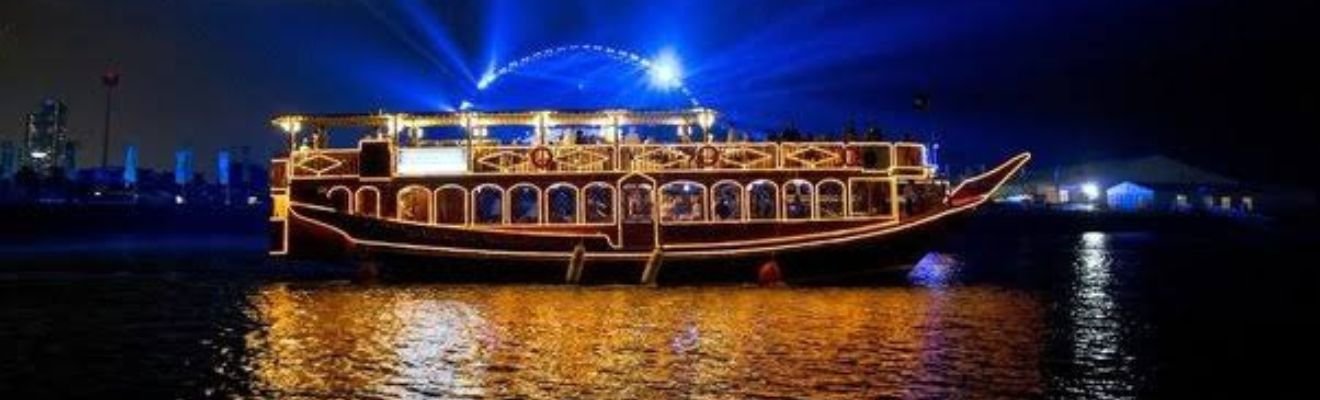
(471,150)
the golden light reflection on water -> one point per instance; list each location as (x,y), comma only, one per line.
(631,342)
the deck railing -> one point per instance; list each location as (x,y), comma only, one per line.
(898,158)
(324,163)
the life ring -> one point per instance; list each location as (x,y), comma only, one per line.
(542,158)
(708,156)
(852,156)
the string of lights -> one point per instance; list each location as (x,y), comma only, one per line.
(664,70)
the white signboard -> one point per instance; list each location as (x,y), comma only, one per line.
(432,161)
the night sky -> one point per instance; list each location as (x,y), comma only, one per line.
(1219,84)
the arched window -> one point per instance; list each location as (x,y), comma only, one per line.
(340,198)
(488,204)
(682,201)
(829,199)
(762,200)
(797,199)
(414,204)
(726,201)
(367,201)
(524,204)
(562,204)
(451,205)
(598,203)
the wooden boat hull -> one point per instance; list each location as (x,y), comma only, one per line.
(705,253)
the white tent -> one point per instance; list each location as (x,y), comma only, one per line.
(1128,196)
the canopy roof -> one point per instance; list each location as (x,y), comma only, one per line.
(1147,171)
(536,118)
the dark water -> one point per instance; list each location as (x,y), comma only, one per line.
(998,313)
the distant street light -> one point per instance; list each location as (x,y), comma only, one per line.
(1091,190)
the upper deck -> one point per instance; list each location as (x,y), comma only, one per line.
(396,146)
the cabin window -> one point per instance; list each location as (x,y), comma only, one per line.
(682,201)
(451,205)
(797,199)
(876,157)
(637,202)
(414,204)
(525,204)
(598,203)
(911,155)
(340,199)
(367,201)
(488,205)
(727,201)
(762,200)
(871,198)
(562,202)
(829,199)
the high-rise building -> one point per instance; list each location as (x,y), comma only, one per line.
(222,168)
(69,159)
(46,144)
(183,166)
(7,166)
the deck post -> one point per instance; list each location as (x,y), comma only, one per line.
(576,264)
(471,149)
(653,267)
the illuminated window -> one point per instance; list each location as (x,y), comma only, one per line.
(682,201)
(414,204)
(524,204)
(1248,204)
(797,199)
(829,199)
(367,202)
(727,201)
(451,205)
(562,202)
(488,204)
(340,198)
(1225,202)
(871,198)
(762,200)
(637,203)
(598,203)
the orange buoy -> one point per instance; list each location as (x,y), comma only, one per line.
(769,274)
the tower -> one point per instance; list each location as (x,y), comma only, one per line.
(110,80)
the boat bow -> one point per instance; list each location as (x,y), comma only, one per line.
(977,189)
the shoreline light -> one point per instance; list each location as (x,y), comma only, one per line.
(1091,190)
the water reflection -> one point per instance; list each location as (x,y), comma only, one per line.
(1097,338)
(935,270)
(557,342)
